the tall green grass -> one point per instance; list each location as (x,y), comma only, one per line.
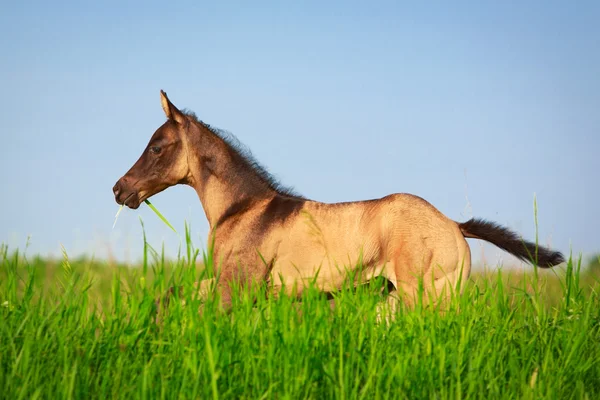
(86,329)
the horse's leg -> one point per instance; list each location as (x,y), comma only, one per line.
(452,284)
(423,281)
(387,309)
(162,303)
(204,287)
(436,288)
(415,291)
(407,293)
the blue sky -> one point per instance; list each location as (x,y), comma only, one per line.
(475,106)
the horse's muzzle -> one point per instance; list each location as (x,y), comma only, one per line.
(125,195)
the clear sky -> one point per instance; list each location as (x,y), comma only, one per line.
(477,107)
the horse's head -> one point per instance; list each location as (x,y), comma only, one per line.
(162,164)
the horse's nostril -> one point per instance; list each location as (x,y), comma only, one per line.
(116,190)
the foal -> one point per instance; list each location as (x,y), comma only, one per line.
(261,231)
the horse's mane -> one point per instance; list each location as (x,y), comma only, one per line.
(246,157)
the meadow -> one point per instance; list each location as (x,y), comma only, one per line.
(80,328)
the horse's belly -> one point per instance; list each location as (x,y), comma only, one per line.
(304,268)
(306,265)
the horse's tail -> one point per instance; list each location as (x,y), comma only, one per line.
(509,241)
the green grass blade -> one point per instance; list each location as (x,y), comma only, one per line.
(494,341)
(117,216)
(160,215)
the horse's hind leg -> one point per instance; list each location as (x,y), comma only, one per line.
(387,308)
(409,296)
(427,292)
(405,296)
(452,285)
(450,280)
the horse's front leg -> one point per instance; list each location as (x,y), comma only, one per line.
(233,277)
(202,291)
(203,288)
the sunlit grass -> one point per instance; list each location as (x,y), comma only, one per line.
(85,329)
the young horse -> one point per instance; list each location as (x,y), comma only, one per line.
(263,232)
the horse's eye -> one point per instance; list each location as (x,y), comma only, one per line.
(155,149)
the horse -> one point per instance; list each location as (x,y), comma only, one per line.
(261,231)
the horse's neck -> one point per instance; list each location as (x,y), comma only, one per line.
(221,183)
(215,198)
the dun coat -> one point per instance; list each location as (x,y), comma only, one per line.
(262,231)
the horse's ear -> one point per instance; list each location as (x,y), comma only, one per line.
(170,110)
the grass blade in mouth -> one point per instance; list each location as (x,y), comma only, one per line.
(117,216)
(160,215)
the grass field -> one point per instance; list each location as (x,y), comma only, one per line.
(85,329)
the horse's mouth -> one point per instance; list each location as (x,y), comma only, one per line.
(131,201)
